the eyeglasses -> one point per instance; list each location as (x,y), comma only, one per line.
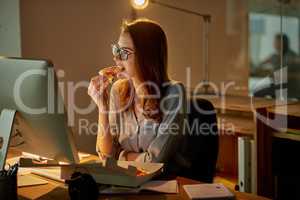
(120,52)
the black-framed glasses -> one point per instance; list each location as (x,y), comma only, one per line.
(121,53)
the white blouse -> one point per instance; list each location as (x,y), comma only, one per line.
(156,142)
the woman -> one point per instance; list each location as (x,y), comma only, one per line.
(141,115)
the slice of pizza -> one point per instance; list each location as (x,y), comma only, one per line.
(121,84)
(111,72)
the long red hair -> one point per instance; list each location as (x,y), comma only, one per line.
(151,54)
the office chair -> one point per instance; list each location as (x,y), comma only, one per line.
(200,146)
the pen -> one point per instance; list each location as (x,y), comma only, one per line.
(13,170)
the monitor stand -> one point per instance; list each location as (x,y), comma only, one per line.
(7,118)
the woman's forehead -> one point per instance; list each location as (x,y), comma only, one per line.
(125,40)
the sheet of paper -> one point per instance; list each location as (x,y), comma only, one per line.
(119,190)
(29,180)
(53,173)
(23,171)
(161,186)
(169,187)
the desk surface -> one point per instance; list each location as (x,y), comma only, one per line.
(239,103)
(56,190)
(290,110)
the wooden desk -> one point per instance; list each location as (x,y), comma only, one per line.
(239,103)
(292,110)
(55,190)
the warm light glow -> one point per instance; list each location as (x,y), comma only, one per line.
(139,4)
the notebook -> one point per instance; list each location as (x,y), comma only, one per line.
(215,191)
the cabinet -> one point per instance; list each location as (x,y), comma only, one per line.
(236,118)
(278,145)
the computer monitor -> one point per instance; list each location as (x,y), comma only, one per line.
(40,127)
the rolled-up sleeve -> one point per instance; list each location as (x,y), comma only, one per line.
(169,133)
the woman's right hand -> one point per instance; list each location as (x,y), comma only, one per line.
(98,91)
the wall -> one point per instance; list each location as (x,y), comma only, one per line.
(76,36)
(10,38)
(227,41)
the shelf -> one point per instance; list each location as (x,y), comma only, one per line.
(239,103)
(243,126)
(289,136)
(292,110)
